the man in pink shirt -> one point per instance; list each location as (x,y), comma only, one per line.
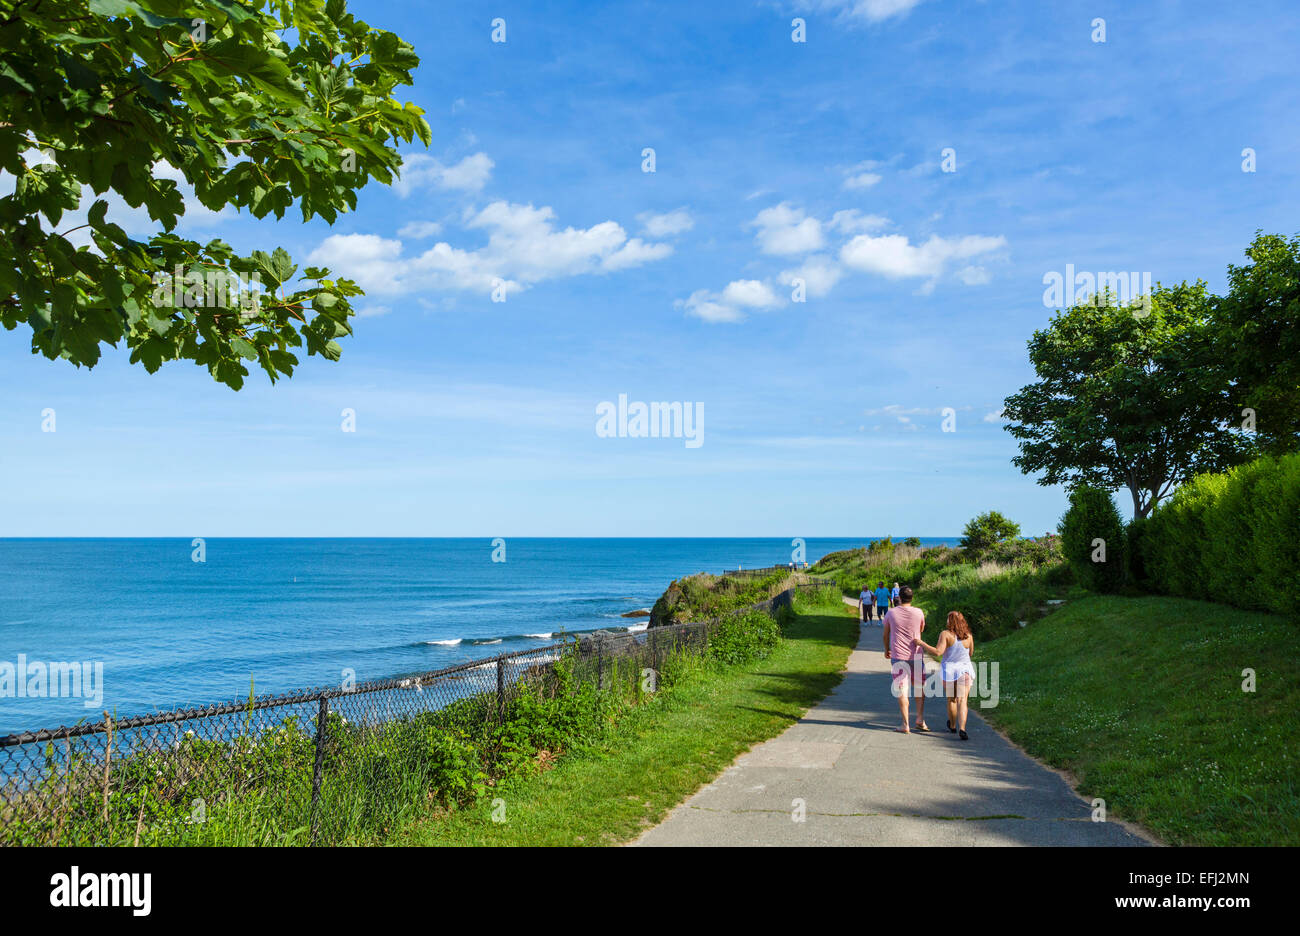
(902,626)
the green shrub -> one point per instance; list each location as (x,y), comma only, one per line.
(1234,535)
(994,600)
(1036,552)
(1058,574)
(751,635)
(1275,532)
(1092,538)
(1012,585)
(986,531)
(1178,537)
(808,598)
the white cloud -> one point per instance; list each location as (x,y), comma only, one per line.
(420,170)
(819,273)
(667,224)
(863,175)
(783,229)
(731,303)
(862,180)
(750,294)
(892,255)
(899,411)
(373,261)
(373,311)
(523,248)
(417,230)
(852,221)
(870,11)
(523,240)
(705,305)
(995,416)
(634,253)
(902,415)
(470,174)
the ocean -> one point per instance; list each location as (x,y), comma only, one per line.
(296,613)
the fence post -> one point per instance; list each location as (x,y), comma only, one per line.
(108,759)
(654,655)
(600,664)
(322,717)
(501,691)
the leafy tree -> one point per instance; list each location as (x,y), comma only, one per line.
(1093,540)
(256,104)
(1127,397)
(913,541)
(986,531)
(1258,339)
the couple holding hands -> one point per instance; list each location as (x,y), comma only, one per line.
(903,626)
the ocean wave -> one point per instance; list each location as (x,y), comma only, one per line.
(485,641)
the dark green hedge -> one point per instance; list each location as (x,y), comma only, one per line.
(1093,516)
(1232,537)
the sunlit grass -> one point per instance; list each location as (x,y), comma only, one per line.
(1142,700)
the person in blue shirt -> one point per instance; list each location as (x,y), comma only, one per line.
(882,600)
(894,600)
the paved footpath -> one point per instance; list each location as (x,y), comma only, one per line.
(862,783)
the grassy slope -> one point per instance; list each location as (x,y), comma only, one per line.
(663,751)
(1141,699)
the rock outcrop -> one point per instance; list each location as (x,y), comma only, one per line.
(671,608)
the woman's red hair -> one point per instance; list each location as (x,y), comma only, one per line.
(957,624)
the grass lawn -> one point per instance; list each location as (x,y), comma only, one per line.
(1141,699)
(662,751)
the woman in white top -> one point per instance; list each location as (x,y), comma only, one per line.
(954,649)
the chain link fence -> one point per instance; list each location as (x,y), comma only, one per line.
(305,767)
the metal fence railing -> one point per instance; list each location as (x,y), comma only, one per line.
(296,760)
(789,569)
(765,570)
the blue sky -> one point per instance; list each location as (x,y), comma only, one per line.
(774,160)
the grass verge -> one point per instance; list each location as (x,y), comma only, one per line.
(660,752)
(1142,700)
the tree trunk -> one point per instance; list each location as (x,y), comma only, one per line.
(1138,512)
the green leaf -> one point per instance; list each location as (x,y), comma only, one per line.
(244,349)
